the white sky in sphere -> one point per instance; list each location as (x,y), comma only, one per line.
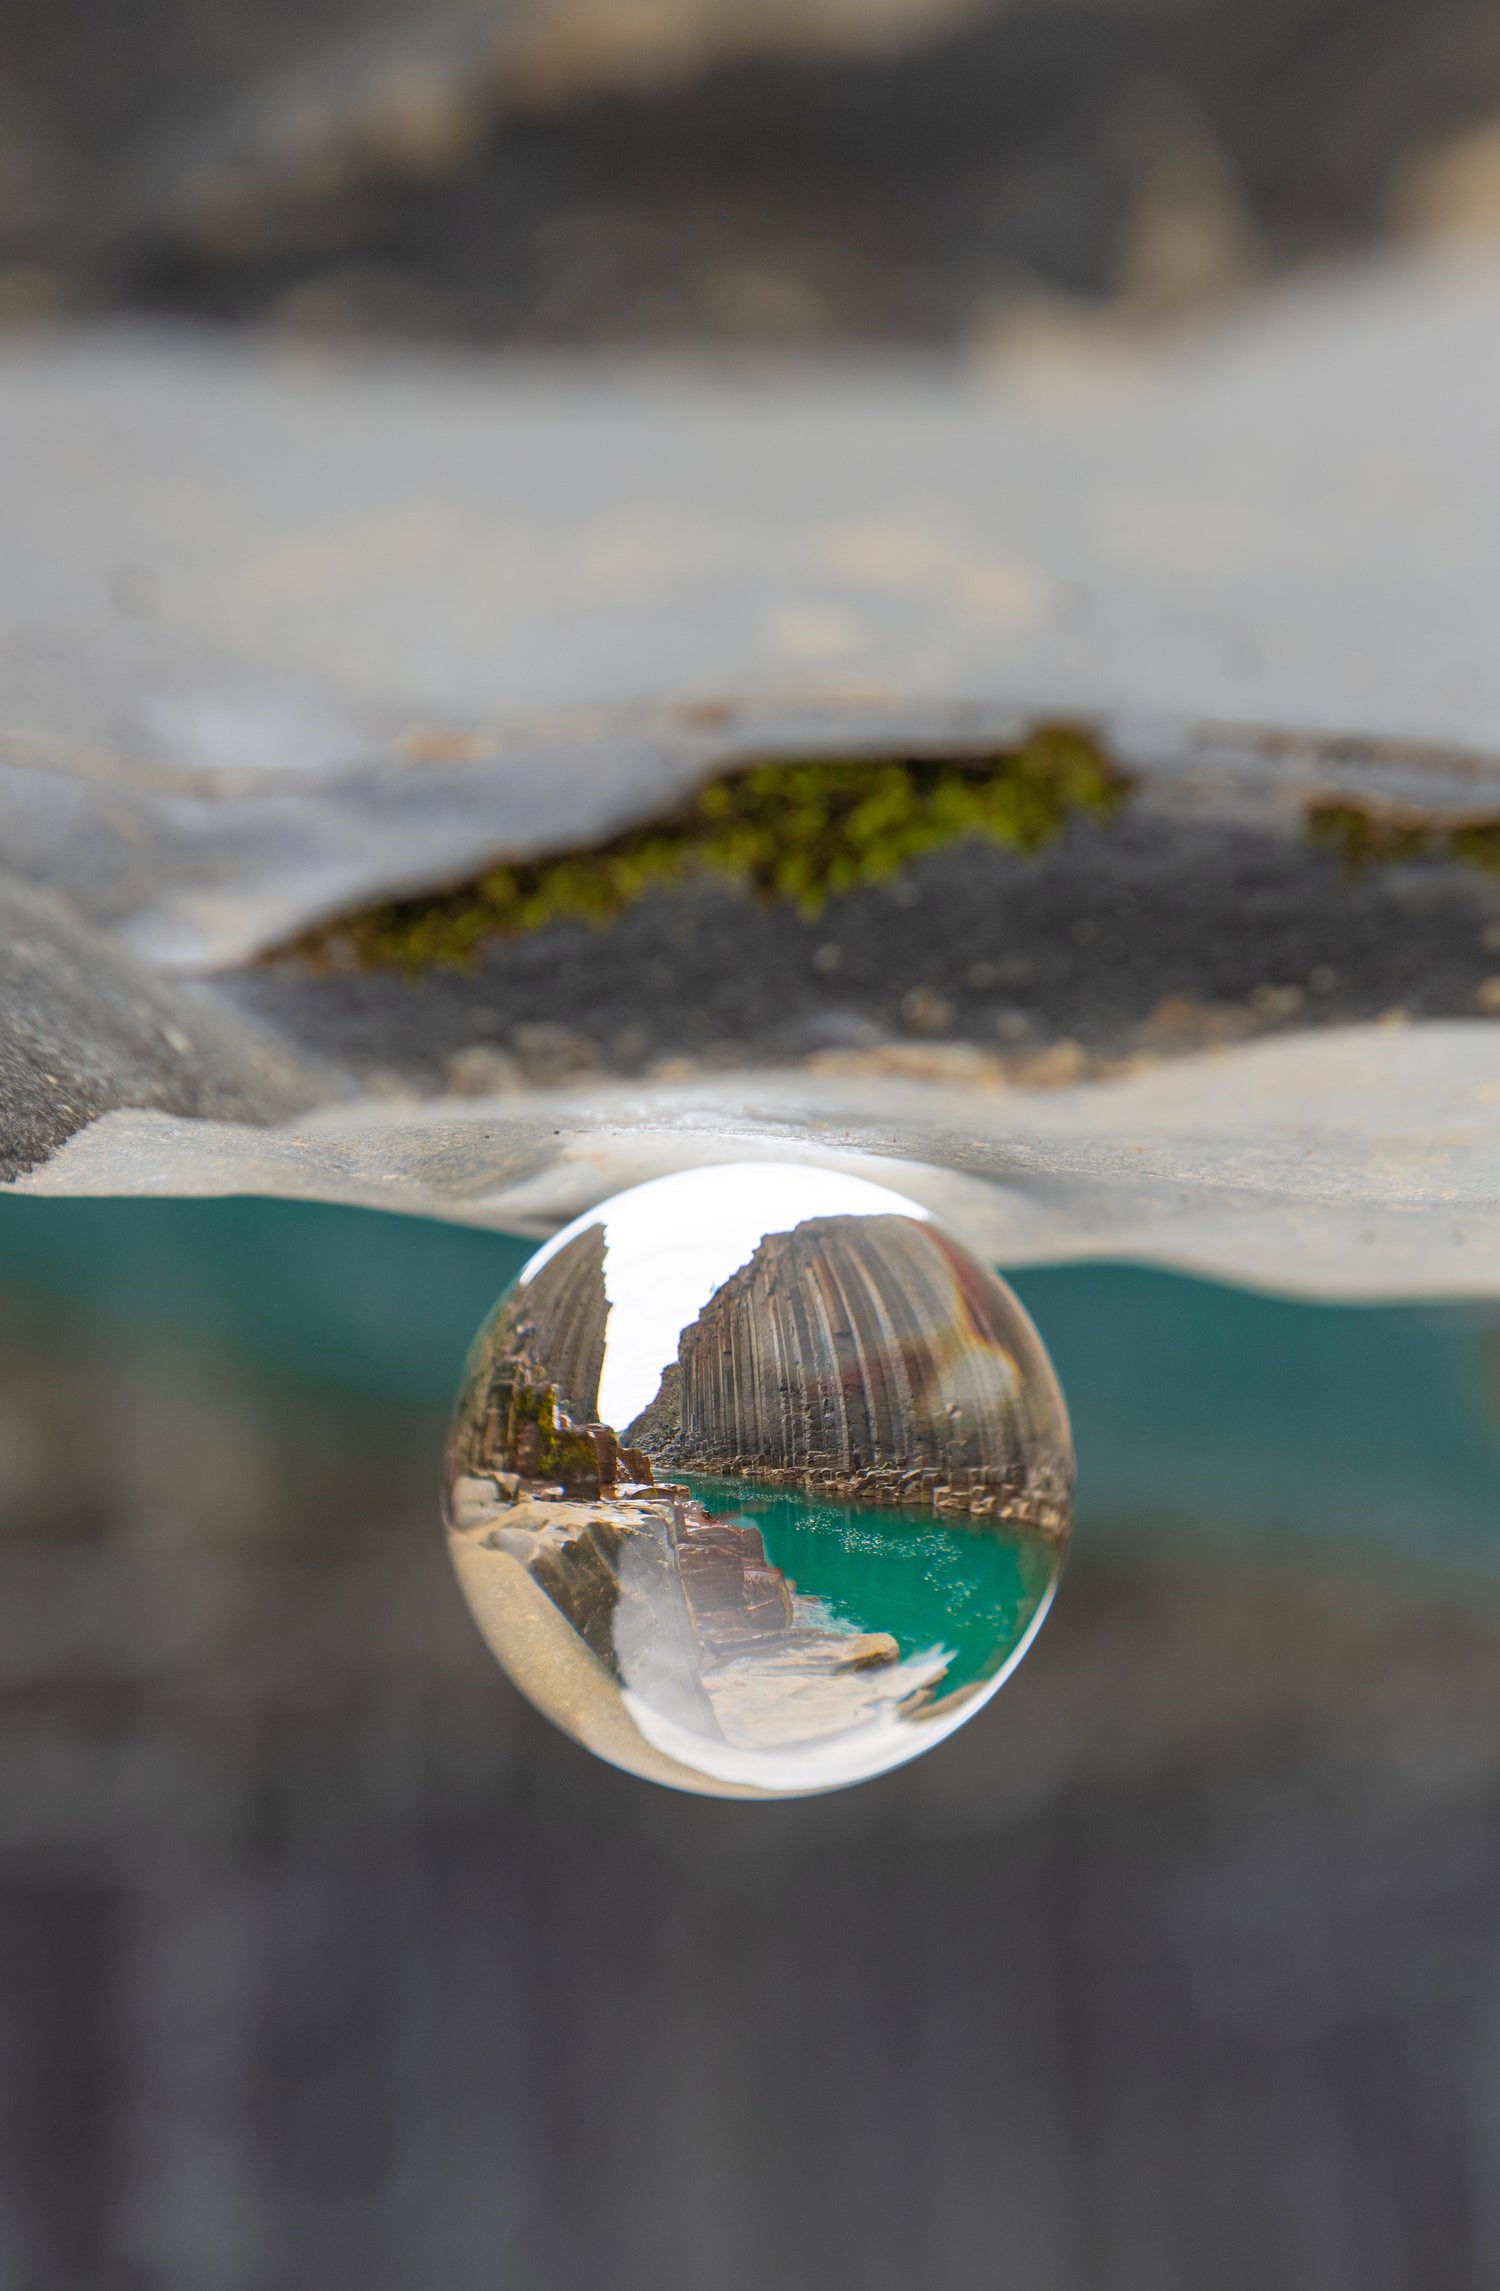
(671,1243)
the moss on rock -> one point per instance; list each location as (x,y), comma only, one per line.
(1362,836)
(800,832)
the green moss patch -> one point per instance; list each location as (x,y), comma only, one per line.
(1361,836)
(800,833)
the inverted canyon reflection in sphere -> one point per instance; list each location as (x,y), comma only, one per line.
(758,1482)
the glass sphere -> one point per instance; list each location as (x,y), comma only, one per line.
(758,1482)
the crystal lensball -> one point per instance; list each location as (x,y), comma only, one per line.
(758,1483)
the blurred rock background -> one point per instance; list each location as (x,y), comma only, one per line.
(657,171)
(325,1962)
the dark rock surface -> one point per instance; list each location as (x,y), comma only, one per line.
(1153,938)
(1157,935)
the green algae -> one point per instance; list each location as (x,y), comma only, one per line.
(798,833)
(543,1445)
(1361,836)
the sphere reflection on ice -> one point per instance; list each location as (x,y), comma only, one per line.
(758,1482)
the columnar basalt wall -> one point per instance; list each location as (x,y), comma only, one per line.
(543,1356)
(859,1352)
(553,1330)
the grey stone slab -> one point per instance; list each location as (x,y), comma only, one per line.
(1359,1163)
(277,637)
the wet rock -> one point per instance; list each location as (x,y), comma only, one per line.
(870,1651)
(580,1578)
(730,1589)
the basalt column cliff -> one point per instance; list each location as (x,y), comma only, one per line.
(863,1355)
